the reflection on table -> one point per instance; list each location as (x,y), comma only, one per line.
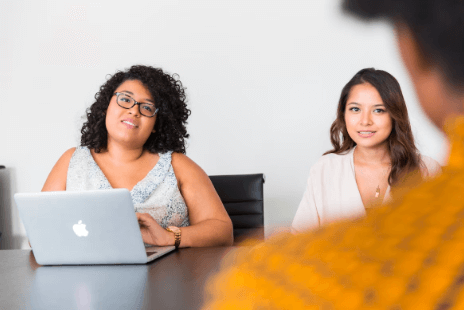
(175,281)
(88,287)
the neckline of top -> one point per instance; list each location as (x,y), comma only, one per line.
(159,165)
(351,155)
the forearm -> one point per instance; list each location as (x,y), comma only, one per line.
(207,233)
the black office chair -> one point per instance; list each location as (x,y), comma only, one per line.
(242,196)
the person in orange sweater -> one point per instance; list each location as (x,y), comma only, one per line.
(408,254)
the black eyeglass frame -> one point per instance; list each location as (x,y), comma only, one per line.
(135,103)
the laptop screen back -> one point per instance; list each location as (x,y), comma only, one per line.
(82,227)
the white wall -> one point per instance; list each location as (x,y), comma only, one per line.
(263,80)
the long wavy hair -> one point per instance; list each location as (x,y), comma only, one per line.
(169,96)
(404,155)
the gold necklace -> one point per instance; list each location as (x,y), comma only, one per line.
(377,190)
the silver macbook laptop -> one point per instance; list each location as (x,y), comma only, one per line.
(84,228)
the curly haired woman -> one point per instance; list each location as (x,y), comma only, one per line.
(134,138)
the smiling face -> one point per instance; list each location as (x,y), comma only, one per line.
(367,120)
(128,126)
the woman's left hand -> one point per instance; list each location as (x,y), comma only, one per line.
(152,232)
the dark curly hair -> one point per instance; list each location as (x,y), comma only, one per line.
(404,155)
(169,96)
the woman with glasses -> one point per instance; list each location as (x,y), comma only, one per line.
(134,138)
(373,149)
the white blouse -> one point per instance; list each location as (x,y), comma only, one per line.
(332,193)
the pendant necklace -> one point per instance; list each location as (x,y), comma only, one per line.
(377,190)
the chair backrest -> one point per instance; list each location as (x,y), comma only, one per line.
(242,196)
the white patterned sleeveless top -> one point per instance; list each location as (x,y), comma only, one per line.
(157,194)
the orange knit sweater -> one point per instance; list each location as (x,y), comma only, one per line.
(406,255)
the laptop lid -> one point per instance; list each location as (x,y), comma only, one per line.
(82,227)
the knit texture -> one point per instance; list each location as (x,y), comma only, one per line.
(406,255)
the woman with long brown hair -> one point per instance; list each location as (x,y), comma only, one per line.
(373,149)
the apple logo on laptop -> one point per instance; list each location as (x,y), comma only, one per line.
(79,229)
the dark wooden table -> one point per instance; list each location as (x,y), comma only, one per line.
(175,281)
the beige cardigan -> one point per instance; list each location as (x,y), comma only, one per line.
(332,193)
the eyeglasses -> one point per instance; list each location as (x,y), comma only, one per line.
(127,102)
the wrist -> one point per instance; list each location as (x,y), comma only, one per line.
(176,233)
(171,238)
